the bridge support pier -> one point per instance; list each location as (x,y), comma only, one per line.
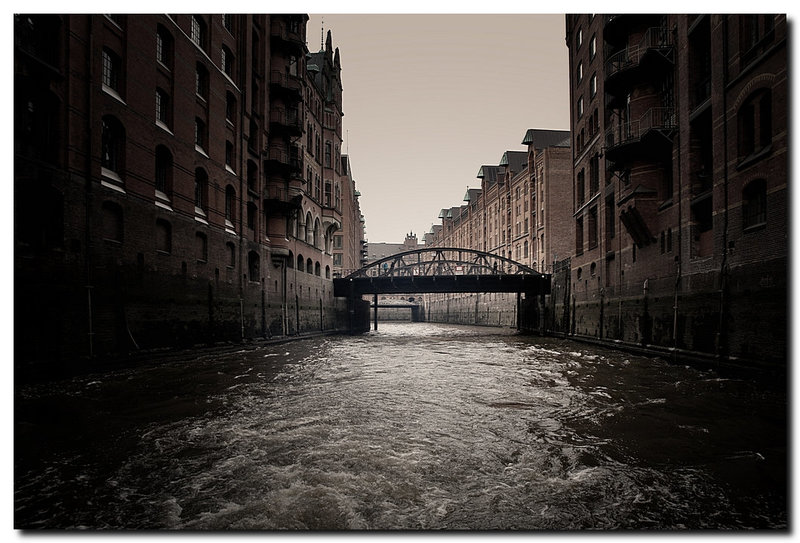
(375,318)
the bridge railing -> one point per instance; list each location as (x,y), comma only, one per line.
(443,261)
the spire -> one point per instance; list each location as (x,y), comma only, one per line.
(328,42)
(336,59)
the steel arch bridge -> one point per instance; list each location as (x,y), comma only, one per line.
(442,269)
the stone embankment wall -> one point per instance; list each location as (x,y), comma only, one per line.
(492,309)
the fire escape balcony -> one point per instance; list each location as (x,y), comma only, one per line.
(283,164)
(617,27)
(281,199)
(286,86)
(648,137)
(283,37)
(286,122)
(652,56)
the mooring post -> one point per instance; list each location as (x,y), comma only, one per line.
(376,310)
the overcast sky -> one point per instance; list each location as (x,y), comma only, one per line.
(428,99)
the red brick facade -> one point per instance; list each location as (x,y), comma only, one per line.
(680,178)
(170,173)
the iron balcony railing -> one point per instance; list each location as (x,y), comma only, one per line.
(656,37)
(289,118)
(657,118)
(279,29)
(286,81)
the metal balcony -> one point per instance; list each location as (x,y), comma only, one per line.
(645,60)
(282,199)
(287,86)
(282,163)
(283,37)
(646,137)
(617,27)
(286,122)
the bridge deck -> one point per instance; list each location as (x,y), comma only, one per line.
(534,284)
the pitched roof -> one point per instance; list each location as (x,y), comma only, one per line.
(488,173)
(516,161)
(546,138)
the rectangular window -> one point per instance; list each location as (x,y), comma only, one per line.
(610,219)
(593,227)
(111,70)
(579,236)
(162,107)
(229,154)
(200,134)
(594,174)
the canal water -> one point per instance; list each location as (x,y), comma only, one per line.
(412,426)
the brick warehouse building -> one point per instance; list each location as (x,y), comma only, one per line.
(680,183)
(518,212)
(521,212)
(178,181)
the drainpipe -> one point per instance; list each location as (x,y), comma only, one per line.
(680,220)
(240,176)
(89,196)
(722,345)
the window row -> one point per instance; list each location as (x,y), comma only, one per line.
(113,230)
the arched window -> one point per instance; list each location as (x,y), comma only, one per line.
(163,178)
(164,47)
(317,269)
(200,191)
(309,266)
(199,33)
(754,204)
(290,260)
(316,234)
(112,149)
(300,263)
(754,123)
(309,228)
(327,272)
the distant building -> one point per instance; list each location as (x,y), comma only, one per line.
(381,250)
(680,182)
(521,211)
(349,244)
